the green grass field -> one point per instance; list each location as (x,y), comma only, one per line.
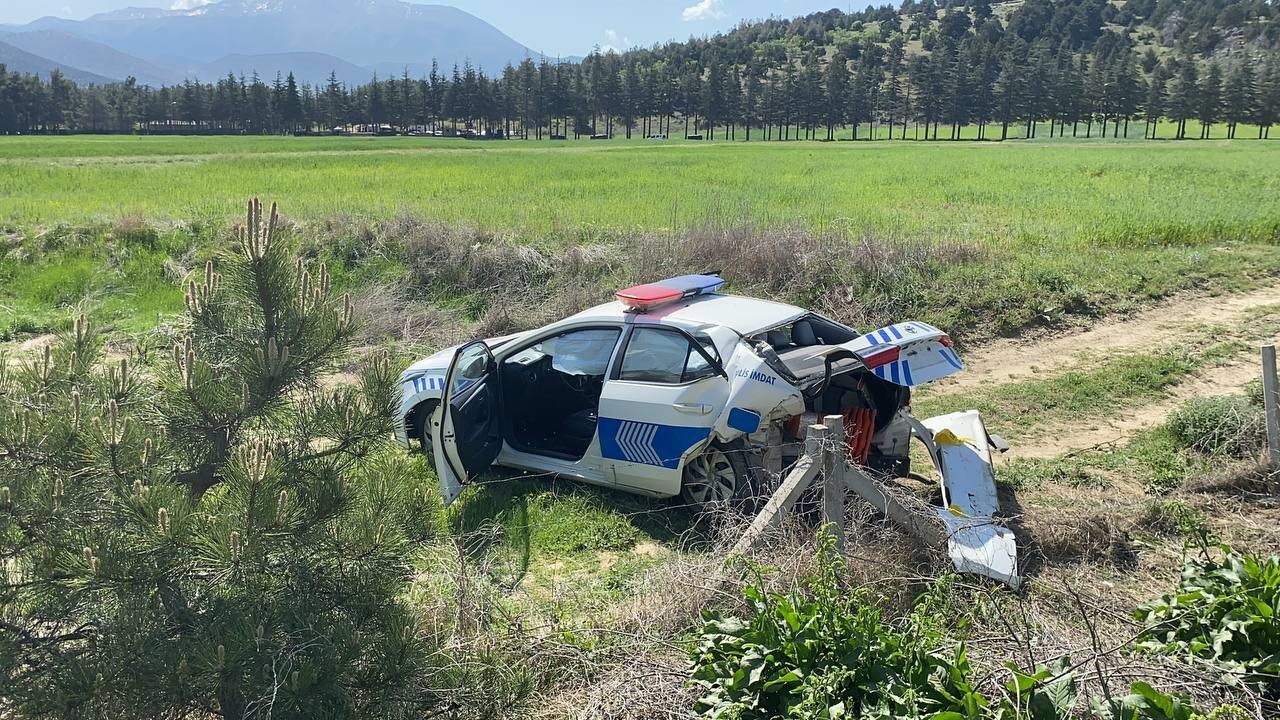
(1108,192)
(980,239)
(1034,233)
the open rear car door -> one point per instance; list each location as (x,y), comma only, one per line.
(467,431)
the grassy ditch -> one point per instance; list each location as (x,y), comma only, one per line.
(420,277)
(1199,438)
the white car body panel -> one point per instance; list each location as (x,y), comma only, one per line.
(977,543)
(646,430)
(923,356)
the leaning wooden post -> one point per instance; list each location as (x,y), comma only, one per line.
(1271,401)
(833,480)
(809,465)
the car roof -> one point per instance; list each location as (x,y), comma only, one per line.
(745,315)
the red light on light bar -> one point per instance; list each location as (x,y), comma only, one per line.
(642,297)
(889,354)
(646,297)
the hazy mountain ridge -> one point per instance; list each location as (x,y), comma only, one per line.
(160,46)
(306,67)
(15,59)
(70,50)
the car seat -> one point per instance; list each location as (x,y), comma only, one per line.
(578,430)
(802,334)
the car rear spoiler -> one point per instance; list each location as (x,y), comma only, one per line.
(907,353)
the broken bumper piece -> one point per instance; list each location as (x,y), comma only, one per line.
(976,542)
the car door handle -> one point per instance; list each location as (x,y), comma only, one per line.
(692,408)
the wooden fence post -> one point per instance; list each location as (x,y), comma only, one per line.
(1271,401)
(788,492)
(833,483)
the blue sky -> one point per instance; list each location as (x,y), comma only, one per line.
(555,28)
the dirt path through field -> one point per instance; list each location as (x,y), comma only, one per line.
(1093,432)
(1011,360)
(1179,320)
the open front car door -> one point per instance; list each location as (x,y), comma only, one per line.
(467,432)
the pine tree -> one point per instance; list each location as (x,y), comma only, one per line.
(1209,99)
(291,110)
(1237,96)
(1267,95)
(733,102)
(217,533)
(1127,90)
(376,108)
(1009,91)
(1153,107)
(1182,98)
(836,87)
(334,106)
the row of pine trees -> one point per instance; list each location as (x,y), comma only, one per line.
(821,77)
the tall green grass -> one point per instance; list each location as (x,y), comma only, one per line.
(982,239)
(1059,194)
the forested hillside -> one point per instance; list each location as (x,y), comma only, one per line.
(922,70)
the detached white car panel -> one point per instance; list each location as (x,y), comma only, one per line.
(977,543)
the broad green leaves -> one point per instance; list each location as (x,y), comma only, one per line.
(1224,611)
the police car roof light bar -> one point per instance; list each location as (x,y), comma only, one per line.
(640,298)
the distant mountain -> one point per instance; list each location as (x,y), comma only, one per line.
(74,51)
(307,67)
(362,33)
(16,59)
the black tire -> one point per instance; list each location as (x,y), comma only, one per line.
(733,483)
(422,425)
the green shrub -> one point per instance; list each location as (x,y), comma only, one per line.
(826,651)
(822,651)
(1224,611)
(1227,426)
(1175,517)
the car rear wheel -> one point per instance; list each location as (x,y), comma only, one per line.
(719,476)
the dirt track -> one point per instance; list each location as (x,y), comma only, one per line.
(1006,360)
(1181,320)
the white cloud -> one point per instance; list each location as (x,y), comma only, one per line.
(615,42)
(189,4)
(704,10)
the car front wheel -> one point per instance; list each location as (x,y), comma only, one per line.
(422,419)
(718,476)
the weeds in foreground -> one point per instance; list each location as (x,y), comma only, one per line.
(1226,426)
(824,650)
(1175,517)
(1225,611)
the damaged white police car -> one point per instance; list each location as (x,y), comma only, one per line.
(671,389)
(678,389)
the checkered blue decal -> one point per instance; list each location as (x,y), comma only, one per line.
(647,443)
(422,383)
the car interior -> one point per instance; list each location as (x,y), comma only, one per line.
(859,394)
(551,391)
(798,344)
